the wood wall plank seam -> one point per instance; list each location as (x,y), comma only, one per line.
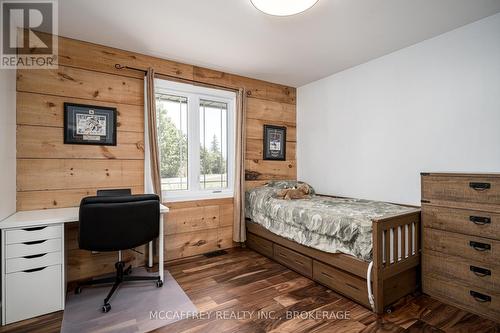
(82,159)
(101,71)
(268,100)
(62,126)
(82,98)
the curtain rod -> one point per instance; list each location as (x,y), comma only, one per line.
(118,66)
(173,78)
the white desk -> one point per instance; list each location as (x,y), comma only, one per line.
(33,261)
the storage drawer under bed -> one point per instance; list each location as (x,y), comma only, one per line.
(342,282)
(261,245)
(293,260)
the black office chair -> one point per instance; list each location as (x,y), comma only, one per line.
(115,221)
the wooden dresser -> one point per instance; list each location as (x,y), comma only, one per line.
(461,240)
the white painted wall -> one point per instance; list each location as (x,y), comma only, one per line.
(369,131)
(7,142)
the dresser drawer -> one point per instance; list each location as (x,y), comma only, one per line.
(30,294)
(33,247)
(474,273)
(33,234)
(260,245)
(341,282)
(469,298)
(464,246)
(293,260)
(470,222)
(464,188)
(32,262)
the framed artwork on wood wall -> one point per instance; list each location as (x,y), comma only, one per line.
(89,125)
(274,143)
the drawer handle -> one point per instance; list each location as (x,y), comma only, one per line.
(480,297)
(479,186)
(352,286)
(299,263)
(35,228)
(35,242)
(480,220)
(34,269)
(35,256)
(480,271)
(480,246)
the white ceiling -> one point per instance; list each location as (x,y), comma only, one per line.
(233,36)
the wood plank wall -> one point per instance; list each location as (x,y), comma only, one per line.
(53,175)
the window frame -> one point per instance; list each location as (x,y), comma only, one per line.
(194,94)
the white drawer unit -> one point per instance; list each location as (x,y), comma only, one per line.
(32,271)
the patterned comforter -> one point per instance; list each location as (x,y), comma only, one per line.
(324,223)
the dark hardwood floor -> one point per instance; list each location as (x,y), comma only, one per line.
(243,280)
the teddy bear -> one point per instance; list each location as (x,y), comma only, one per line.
(299,192)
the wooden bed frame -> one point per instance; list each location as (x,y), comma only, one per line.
(346,274)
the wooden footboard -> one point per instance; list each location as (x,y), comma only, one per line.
(396,257)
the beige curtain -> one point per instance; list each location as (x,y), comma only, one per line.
(152,132)
(239,232)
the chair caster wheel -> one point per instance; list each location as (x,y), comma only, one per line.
(128,270)
(388,310)
(159,283)
(106,307)
(78,290)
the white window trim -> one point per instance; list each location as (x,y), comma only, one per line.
(194,94)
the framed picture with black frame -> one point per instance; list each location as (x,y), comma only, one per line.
(274,143)
(89,125)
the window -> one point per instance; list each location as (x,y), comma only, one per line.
(196,140)
(172,141)
(213,146)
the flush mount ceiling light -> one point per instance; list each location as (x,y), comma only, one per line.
(283,7)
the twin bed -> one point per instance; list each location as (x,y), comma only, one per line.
(339,242)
